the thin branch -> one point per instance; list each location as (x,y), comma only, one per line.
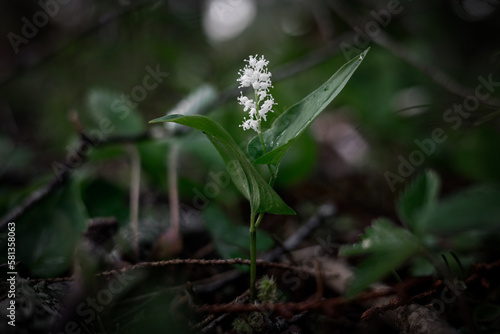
(213,322)
(135,187)
(203,262)
(287,309)
(101,22)
(176,262)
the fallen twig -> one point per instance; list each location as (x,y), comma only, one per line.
(327,306)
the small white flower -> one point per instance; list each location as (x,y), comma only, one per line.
(246,102)
(250,124)
(262,94)
(268,105)
(256,75)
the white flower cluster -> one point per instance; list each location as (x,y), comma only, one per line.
(256,75)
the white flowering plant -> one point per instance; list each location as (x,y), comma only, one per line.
(267,147)
(257,76)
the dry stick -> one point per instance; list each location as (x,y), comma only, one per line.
(176,262)
(324,211)
(288,308)
(400,51)
(203,262)
(135,184)
(205,328)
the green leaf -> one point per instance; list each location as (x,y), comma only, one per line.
(388,246)
(231,240)
(153,162)
(419,195)
(476,208)
(50,232)
(289,125)
(112,115)
(102,198)
(247,179)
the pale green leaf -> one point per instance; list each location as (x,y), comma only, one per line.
(388,246)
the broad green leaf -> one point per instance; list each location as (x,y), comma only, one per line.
(388,246)
(420,194)
(247,179)
(289,125)
(476,208)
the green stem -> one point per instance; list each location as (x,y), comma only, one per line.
(259,219)
(254,224)
(271,172)
(260,133)
(253,256)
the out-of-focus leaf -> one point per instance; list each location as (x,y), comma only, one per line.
(153,160)
(299,163)
(105,199)
(487,312)
(388,246)
(476,208)
(289,125)
(14,157)
(47,234)
(247,179)
(420,194)
(231,240)
(112,115)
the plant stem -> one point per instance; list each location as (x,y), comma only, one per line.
(135,183)
(254,224)
(173,188)
(260,133)
(253,256)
